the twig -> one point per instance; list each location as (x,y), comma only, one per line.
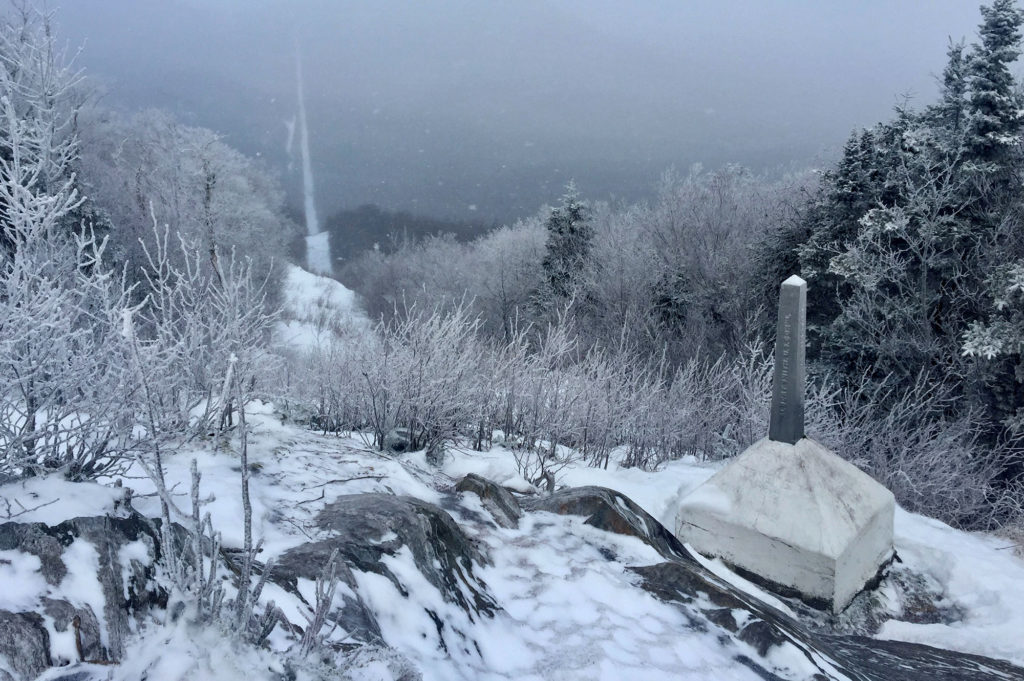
(307,501)
(300,528)
(358,477)
(26,510)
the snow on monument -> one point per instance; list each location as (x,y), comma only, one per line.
(788,510)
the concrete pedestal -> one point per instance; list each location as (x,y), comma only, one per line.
(795,515)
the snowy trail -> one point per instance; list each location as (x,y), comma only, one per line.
(572,610)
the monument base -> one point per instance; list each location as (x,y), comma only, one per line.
(795,515)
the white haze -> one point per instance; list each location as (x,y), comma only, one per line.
(484,110)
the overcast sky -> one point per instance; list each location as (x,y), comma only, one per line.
(485,108)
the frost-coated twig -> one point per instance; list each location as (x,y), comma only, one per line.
(326,584)
(9,516)
(243,608)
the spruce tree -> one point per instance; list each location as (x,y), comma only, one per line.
(951,111)
(995,108)
(568,245)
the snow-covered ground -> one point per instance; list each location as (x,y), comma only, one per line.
(570,608)
(317,311)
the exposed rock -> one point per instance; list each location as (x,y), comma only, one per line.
(880,660)
(443,553)
(24,643)
(107,535)
(366,527)
(40,541)
(762,636)
(307,562)
(495,498)
(613,511)
(710,604)
(64,614)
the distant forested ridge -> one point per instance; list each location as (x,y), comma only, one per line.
(370,227)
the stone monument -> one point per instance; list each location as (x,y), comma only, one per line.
(787,416)
(787,511)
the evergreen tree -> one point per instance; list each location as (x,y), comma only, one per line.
(995,108)
(568,244)
(951,111)
(918,211)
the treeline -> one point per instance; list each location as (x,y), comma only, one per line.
(369,227)
(673,276)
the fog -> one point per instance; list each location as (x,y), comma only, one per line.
(483,110)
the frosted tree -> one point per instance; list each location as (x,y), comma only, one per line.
(952,106)
(569,237)
(149,165)
(995,107)
(60,405)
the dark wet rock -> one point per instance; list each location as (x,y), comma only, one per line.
(64,615)
(40,541)
(107,535)
(498,501)
(307,562)
(724,618)
(613,511)
(366,527)
(762,636)
(443,553)
(24,643)
(900,661)
(692,589)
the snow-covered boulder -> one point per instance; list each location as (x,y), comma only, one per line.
(797,516)
(74,590)
(498,501)
(394,546)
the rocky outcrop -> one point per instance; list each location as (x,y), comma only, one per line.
(363,529)
(613,511)
(498,501)
(710,604)
(369,532)
(122,602)
(24,645)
